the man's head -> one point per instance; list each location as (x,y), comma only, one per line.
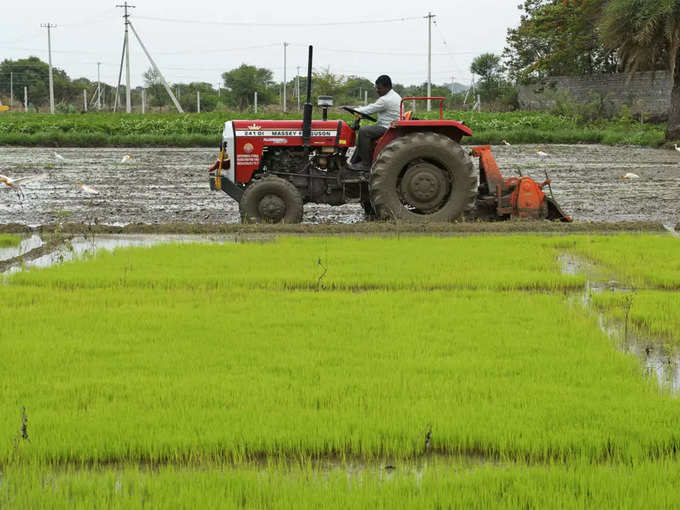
(383,85)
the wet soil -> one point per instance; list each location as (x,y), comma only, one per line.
(166,186)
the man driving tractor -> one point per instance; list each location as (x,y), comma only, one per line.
(387,108)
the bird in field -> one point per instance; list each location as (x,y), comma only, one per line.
(126,159)
(59,157)
(17,183)
(505,142)
(630,175)
(677,148)
(542,154)
(87,189)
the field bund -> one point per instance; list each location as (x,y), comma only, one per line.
(342,373)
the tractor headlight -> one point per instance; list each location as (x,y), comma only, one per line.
(325,101)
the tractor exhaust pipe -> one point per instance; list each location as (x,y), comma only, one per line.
(307,109)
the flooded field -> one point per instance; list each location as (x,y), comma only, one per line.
(170,185)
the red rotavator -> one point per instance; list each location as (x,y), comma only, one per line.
(419,173)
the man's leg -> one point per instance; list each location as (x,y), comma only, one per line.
(366,136)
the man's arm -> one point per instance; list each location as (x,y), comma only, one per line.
(377,107)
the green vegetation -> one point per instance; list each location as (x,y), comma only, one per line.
(106,129)
(645,485)
(9,240)
(655,312)
(263,374)
(652,263)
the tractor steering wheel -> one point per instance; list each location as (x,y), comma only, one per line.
(362,115)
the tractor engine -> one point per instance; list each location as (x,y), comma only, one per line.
(316,174)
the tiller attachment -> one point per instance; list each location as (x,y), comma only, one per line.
(514,197)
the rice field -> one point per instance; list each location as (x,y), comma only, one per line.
(9,240)
(334,372)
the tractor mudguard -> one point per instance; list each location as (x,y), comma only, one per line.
(449,128)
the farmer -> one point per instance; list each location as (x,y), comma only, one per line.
(387,107)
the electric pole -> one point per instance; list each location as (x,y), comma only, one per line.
(297,86)
(99,87)
(285,47)
(49,27)
(11,89)
(452,82)
(126,45)
(429,17)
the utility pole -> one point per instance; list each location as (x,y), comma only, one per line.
(429,17)
(49,27)
(143,101)
(452,84)
(285,47)
(85,100)
(255,101)
(126,16)
(99,87)
(25,99)
(297,87)
(198,101)
(11,89)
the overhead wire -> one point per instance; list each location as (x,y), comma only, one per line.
(257,24)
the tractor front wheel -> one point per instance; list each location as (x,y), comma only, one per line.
(423,177)
(271,200)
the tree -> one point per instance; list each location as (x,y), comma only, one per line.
(644,33)
(488,67)
(557,37)
(245,80)
(154,83)
(188,98)
(33,73)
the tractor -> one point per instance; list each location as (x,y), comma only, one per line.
(420,171)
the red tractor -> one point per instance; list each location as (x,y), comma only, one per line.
(420,172)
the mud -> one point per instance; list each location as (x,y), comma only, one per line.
(169,186)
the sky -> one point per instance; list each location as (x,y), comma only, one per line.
(199,40)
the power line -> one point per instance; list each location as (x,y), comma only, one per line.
(255,24)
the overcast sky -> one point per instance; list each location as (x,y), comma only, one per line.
(201,48)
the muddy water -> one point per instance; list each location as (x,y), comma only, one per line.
(170,185)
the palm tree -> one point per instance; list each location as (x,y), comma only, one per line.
(645,33)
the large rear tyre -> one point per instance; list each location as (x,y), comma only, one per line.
(423,177)
(271,200)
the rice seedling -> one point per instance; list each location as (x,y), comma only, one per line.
(138,361)
(639,260)
(432,485)
(9,240)
(406,263)
(655,312)
(293,373)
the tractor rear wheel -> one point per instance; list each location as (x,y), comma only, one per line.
(271,200)
(423,177)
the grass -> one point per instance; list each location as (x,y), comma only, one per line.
(9,240)
(188,374)
(194,130)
